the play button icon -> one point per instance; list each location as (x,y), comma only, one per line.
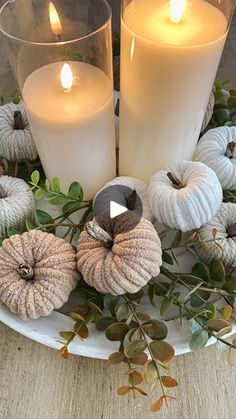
(117,207)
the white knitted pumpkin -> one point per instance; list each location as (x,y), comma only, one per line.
(217,150)
(16,141)
(141,189)
(185,196)
(16,203)
(225,224)
(209,111)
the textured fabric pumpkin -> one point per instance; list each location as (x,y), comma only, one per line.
(16,141)
(16,203)
(217,150)
(132,260)
(225,225)
(38,272)
(141,189)
(185,196)
(209,111)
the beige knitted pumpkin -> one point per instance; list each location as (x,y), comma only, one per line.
(38,272)
(224,223)
(133,258)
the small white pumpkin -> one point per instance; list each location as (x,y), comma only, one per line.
(16,203)
(16,140)
(185,196)
(209,111)
(141,189)
(224,245)
(217,150)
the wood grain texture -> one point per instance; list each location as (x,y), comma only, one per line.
(36,383)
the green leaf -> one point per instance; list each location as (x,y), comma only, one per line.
(116,331)
(35,176)
(167,258)
(15,97)
(57,199)
(47,185)
(29,224)
(39,194)
(76,317)
(128,336)
(55,184)
(155,329)
(67,335)
(177,239)
(115,358)
(81,329)
(201,271)
(75,191)
(194,326)
(162,351)
(198,340)
(70,206)
(217,271)
(134,349)
(12,232)
(217,324)
(43,217)
(151,293)
(230,284)
(199,298)
(165,305)
(150,373)
(122,312)
(103,323)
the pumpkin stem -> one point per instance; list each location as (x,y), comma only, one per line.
(25,271)
(230,150)
(177,184)
(99,234)
(231,230)
(18,120)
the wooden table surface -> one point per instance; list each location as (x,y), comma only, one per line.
(35,383)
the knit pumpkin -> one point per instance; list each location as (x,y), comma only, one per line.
(38,272)
(139,186)
(127,264)
(217,150)
(16,141)
(185,196)
(16,203)
(223,247)
(209,111)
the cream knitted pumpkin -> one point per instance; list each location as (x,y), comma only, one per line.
(38,272)
(132,259)
(141,189)
(185,196)
(217,150)
(16,203)
(16,141)
(225,225)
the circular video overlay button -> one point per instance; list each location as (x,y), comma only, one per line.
(117,209)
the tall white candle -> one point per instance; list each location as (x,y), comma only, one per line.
(73,127)
(168,65)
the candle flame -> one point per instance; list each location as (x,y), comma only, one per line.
(66,77)
(54,20)
(177,9)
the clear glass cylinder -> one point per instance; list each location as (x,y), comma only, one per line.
(169,59)
(61,55)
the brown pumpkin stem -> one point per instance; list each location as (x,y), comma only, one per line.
(95,231)
(18,120)
(231,230)
(230,150)
(25,271)
(177,184)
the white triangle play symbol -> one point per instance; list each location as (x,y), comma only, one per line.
(116,209)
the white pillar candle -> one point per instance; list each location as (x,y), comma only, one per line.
(73,124)
(168,65)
